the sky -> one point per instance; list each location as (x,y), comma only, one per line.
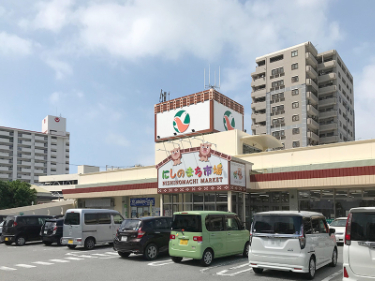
(102,63)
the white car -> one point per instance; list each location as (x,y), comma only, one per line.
(1,231)
(339,226)
(359,247)
(291,241)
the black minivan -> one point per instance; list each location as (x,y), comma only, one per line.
(148,236)
(52,231)
(20,229)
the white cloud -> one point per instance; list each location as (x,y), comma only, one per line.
(61,68)
(115,139)
(12,45)
(54,98)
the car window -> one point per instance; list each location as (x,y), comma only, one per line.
(32,221)
(214,223)
(315,225)
(117,219)
(104,218)
(129,224)
(277,224)
(339,223)
(231,223)
(164,223)
(307,226)
(91,219)
(323,228)
(151,224)
(72,219)
(189,223)
(363,226)
(41,221)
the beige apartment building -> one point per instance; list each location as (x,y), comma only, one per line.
(303,97)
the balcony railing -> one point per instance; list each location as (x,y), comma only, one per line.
(277,112)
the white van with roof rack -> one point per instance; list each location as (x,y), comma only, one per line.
(291,241)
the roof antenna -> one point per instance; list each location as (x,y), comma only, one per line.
(209,86)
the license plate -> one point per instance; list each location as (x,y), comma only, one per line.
(6,238)
(124,238)
(70,241)
(184,241)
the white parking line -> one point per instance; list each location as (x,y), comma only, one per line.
(100,255)
(25,265)
(57,260)
(332,276)
(43,263)
(159,263)
(112,253)
(73,259)
(225,272)
(7,268)
(87,256)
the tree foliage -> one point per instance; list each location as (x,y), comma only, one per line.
(16,194)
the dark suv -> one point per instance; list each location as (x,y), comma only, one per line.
(20,229)
(148,236)
(52,231)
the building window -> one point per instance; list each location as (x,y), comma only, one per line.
(295,144)
(277,58)
(339,75)
(295,117)
(295,104)
(340,136)
(295,131)
(295,92)
(340,124)
(339,111)
(295,79)
(277,83)
(294,53)
(277,71)
(294,66)
(339,87)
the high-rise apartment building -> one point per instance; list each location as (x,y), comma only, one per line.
(26,155)
(303,97)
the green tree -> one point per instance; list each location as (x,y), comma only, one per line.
(16,194)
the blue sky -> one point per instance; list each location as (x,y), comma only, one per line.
(101,64)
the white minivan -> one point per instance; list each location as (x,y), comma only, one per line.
(359,247)
(291,241)
(90,227)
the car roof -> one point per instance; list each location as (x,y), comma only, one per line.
(366,209)
(341,218)
(54,220)
(204,213)
(147,218)
(91,211)
(294,213)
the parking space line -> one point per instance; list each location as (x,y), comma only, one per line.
(73,258)
(57,260)
(100,255)
(7,268)
(225,272)
(25,265)
(112,253)
(332,275)
(43,263)
(87,256)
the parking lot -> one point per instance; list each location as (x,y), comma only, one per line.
(37,262)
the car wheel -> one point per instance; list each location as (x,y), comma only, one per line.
(124,254)
(151,252)
(176,259)
(246,250)
(334,258)
(207,257)
(312,269)
(47,243)
(72,246)
(89,243)
(8,243)
(20,241)
(257,270)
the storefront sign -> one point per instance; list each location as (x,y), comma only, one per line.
(237,174)
(142,202)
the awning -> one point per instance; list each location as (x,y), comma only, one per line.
(262,142)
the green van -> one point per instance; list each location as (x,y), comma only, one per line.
(203,235)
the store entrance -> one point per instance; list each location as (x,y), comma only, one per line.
(138,212)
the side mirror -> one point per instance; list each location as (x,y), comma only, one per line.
(332,231)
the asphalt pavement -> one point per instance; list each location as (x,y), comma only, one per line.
(37,262)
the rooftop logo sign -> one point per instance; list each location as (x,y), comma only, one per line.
(181,121)
(229,122)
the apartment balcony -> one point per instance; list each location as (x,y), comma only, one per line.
(24,142)
(279,112)
(259,70)
(4,176)
(25,156)
(312,110)
(330,113)
(39,172)
(38,164)
(311,72)
(53,153)
(329,101)
(53,141)
(39,144)
(24,136)
(311,83)
(311,59)
(6,162)
(328,127)
(25,170)
(5,134)
(6,141)
(4,147)
(258,82)
(327,89)
(278,125)
(258,93)
(259,117)
(327,77)
(40,138)
(39,151)
(257,106)
(23,149)
(313,136)
(312,98)
(312,124)
(24,163)
(326,140)
(24,177)
(5,169)
(329,64)
(258,128)
(39,157)
(6,154)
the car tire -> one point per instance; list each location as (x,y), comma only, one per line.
(72,246)
(334,258)
(124,254)
(312,269)
(151,252)
(176,259)
(8,243)
(89,243)
(246,250)
(20,241)
(47,243)
(258,270)
(207,258)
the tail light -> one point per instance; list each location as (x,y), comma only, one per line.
(140,233)
(54,230)
(251,234)
(117,233)
(348,230)
(172,236)
(14,224)
(198,238)
(302,239)
(346,275)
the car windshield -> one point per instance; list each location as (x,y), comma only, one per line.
(72,219)
(277,224)
(50,224)
(9,221)
(189,223)
(130,224)
(339,223)
(363,227)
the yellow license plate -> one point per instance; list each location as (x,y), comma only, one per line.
(6,238)
(184,241)
(70,241)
